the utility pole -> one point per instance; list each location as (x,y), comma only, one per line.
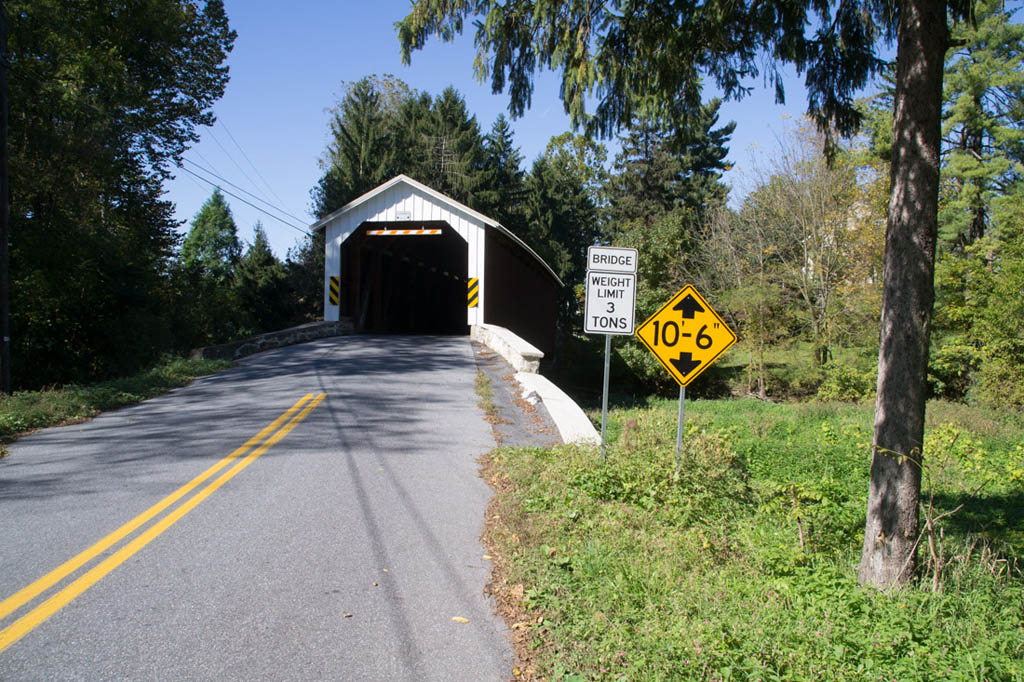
(5,322)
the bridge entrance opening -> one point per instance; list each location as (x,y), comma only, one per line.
(405,277)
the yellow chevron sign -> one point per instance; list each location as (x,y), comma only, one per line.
(473,292)
(686,335)
(335,290)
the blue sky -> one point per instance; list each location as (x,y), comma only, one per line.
(287,69)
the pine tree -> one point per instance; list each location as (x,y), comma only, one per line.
(359,156)
(261,284)
(646,177)
(212,244)
(562,214)
(304,265)
(453,159)
(502,189)
(411,130)
(982,181)
(702,150)
(662,167)
(983,123)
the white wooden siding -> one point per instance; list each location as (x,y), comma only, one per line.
(384,207)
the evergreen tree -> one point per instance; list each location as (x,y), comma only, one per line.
(212,244)
(411,130)
(983,123)
(646,177)
(359,155)
(503,175)
(304,265)
(262,286)
(702,150)
(660,168)
(983,151)
(664,185)
(453,158)
(382,128)
(561,215)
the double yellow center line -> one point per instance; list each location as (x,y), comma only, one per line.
(255,447)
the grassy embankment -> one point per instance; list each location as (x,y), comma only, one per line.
(28,410)
(743,565)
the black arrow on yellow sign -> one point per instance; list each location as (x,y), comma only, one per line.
(688,306)
(685,363)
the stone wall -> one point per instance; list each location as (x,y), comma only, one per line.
(521,354)
(285,337)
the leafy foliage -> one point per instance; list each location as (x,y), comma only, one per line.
(104,98)
(648,57)
(28,410)
(845,382)
(743,565)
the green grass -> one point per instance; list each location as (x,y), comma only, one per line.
(743,565)
(29,410)
(485,391)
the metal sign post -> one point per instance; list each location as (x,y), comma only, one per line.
(604,394)
(679,425)
(610,307)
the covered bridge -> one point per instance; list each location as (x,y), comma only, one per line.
(404,258)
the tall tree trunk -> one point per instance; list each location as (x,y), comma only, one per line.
(888,557)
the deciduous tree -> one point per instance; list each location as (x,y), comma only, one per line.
(808,208)
(104,98)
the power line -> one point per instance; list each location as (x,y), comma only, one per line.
(238,166)
(202,158)
(252,165)
(242,189)
(247,203)
(193,181)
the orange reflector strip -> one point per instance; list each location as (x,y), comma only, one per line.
(400,233)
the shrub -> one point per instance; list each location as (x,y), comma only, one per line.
(847,383)
(951,364)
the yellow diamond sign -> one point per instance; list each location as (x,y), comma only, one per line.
(686,335)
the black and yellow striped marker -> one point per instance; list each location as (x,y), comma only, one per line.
(473,292)
(335,289)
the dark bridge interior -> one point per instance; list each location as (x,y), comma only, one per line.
(405,283)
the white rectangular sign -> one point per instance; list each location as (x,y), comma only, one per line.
(611,300)
(611,259)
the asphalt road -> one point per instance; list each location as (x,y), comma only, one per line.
(341,549)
